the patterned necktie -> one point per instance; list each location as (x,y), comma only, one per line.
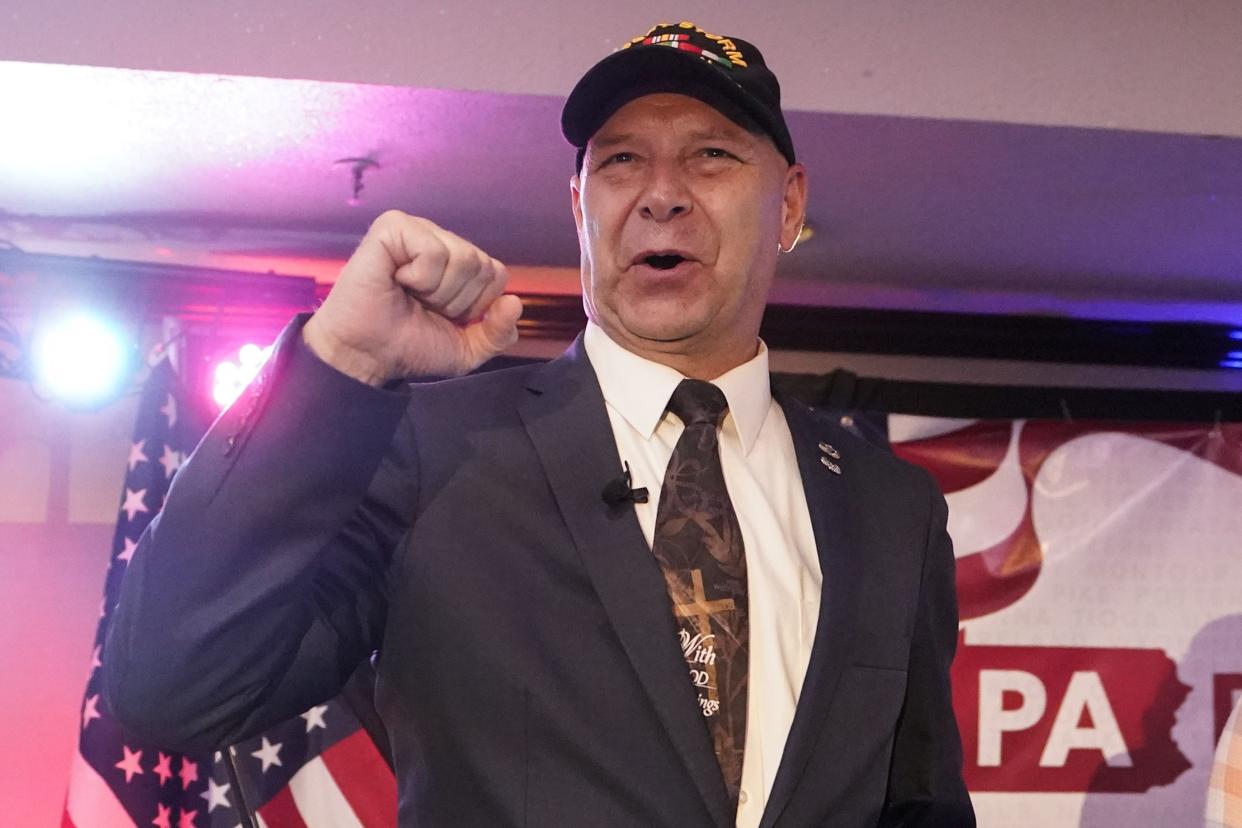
(699,546)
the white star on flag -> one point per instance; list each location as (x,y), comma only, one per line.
(314,717)
(95,661)
(188,773)
(163,768)
(128,552)
(163,815)
(171,461)
(215,795)
(269,754)
(133,502)
(129,763)
(90,711)
(170,411)
(136,454)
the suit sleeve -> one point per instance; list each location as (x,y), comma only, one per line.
(925,786)
(260,586)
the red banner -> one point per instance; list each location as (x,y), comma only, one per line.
(1067,718)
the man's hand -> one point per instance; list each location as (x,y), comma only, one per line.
(414,300)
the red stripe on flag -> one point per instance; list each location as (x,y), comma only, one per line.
(281,811)
(365,779)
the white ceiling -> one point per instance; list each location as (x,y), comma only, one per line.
(1157,65)
(1036,157)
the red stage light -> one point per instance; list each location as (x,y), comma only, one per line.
(231,376)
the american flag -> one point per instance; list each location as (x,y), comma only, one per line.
(320,770)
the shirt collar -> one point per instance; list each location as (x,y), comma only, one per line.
(639,389)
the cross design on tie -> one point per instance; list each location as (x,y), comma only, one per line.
(698,607)
(698,544)
(698,647)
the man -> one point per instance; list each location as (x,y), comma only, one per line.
(765,639)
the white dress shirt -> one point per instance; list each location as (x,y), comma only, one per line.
(782,566)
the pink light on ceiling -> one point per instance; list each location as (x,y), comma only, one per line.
(96,137)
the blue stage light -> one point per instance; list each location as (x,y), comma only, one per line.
(81,360)
(1231,363)
(1235,335)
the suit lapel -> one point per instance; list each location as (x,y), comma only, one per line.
(828,498)
(566,420)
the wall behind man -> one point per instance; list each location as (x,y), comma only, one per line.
(60,479)
(957,370)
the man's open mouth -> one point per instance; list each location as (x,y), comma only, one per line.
(664,261)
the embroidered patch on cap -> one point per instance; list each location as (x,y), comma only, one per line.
(690,38)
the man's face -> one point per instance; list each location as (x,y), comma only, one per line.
(679,213)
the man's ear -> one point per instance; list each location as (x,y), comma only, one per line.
(575,200)
(793,206)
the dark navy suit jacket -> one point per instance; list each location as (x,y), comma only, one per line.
(528,672)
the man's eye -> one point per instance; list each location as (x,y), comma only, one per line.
(618,158)
(717,152)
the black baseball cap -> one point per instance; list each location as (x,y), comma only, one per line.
(727,73)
